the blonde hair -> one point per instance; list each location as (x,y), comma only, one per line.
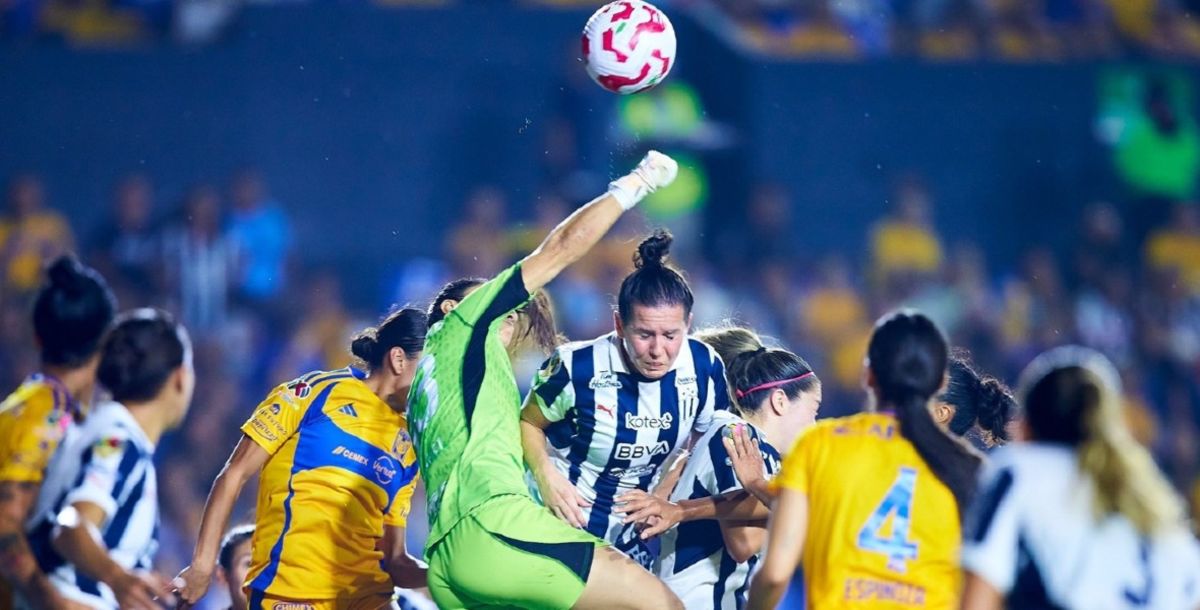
(729,340)
(1072,396)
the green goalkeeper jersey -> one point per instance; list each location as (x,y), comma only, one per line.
(465,407)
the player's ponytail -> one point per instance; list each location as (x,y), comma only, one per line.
(1071,397)
(907,356)
(403,328)
(978,401)
(71,312)
(653,282)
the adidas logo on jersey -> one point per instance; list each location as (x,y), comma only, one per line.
(652,423)
(348,409)
(350,455)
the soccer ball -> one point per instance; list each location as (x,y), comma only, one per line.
(629,46)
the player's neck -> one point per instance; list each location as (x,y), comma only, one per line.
(150,417)
(77,381)
(386,387)
(762,422)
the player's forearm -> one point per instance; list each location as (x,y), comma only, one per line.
(570,241)
(670,478)
(738,507)
(535,448)
(79,543)
(761,490)
(217,509)
(765,592)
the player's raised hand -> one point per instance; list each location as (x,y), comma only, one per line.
(191,584)
(653,172)
(744,455)
(656,514)
(561,497)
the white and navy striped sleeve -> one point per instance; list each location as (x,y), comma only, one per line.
(552,388)
(991,528)
(107,465)
(710,373)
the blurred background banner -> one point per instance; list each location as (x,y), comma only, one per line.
(280,173)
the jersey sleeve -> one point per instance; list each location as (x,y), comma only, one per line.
(717,395)
(794,472)
(552,389)
(991,528)
(494,299)
(107,465)
(278,416)
(725,477)
(38,431)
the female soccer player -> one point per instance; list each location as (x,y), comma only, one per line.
(973,405)
(71,313)
(337,472)
(614,408)
(881,489)
(1079,517)
(96,525)
(233,564)
(708,563)
(490,544)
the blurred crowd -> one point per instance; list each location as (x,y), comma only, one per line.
(1006,30)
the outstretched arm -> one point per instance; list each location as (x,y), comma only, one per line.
(247,459)
(583,229)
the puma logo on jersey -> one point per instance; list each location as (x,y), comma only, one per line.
(608,410)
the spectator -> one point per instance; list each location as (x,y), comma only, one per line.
(200,263)
(29,235)
(1175,248)
(477,246)
(127,248)
(261,234)
(905,249)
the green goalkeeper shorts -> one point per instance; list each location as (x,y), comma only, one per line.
(511,552)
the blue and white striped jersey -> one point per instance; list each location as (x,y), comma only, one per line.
(613,428)
(107,461)
(694,563)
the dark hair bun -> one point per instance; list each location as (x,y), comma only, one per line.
(365,345)
(653,250)
(66,273)
(996,408)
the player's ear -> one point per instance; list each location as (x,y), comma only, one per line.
(448,306)
(942,412)
(397,359)
(618,325)
(688,326)
(779,402)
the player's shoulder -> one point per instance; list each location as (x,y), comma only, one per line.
(1031,462)
(35,399)
(109,426)
(305,388)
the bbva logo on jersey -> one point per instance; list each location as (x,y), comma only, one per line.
(634,451)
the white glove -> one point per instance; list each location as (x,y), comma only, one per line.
(655,171)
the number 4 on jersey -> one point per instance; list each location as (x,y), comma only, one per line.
(896,503)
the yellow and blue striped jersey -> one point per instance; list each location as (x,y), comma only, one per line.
(341,468)
(33,421)
(883,531)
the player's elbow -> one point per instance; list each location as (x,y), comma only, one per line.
(774,574)
(743,550)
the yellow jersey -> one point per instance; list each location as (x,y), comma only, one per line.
(33,421)
(342,467)
(883,531)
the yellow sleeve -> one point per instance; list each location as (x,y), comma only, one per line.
(276,418)
(34,432)
(397,516)
(794,473)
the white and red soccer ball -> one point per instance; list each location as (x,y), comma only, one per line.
(628,46)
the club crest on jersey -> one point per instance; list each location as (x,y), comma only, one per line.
(607,379)
(402,444)
(385,469)
(299,388)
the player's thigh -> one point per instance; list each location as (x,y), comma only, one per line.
(616,581)
(513,553)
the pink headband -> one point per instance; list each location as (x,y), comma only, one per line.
(772,384)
